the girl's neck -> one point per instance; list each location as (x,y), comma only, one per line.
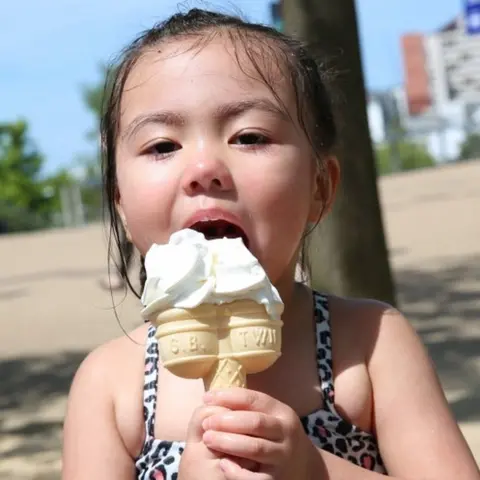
(286,285)
(298,346)
(294,295)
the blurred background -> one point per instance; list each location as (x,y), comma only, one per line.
(420,103)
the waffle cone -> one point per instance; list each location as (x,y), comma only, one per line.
(187,340)
(219,343)
(226,373)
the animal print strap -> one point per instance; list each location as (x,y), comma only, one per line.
(324,349)
(150,383)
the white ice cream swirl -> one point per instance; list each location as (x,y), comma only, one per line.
(191,270)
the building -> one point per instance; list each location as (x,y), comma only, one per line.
(439,102)
(416,83)
(442,85)
(441,67)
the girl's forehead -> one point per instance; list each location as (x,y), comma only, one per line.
(220,62)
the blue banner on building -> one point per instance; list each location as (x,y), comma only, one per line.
(472,17)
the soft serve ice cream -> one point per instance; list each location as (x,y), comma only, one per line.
(216,313)
(191,270)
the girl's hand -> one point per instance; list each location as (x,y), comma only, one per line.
(198,461)
(259,428)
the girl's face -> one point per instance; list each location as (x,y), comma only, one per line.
(204,143)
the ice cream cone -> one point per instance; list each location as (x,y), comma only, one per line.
(254,338)
(226,373)
(219,343)
(187,340)
(216,313)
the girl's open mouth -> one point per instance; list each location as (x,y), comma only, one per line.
(220,229)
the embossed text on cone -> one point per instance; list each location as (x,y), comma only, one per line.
(187,340)
(219,343)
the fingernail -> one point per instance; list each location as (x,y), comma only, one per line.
(208,436)
(209,397)
(227,466)
(224,465)
(206,424)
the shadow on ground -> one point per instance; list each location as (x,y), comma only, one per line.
(32,396)
(444,305)
(29,382)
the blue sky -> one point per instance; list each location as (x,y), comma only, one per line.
(50,48)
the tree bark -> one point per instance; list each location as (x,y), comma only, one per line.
(348,250)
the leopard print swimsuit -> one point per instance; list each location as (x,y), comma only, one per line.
(159,460)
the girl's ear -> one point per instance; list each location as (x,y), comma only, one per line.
(327,178)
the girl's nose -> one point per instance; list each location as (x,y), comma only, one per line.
(207,175)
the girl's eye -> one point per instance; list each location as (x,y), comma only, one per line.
(163,148)
(251,139)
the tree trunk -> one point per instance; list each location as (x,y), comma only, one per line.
(348,251)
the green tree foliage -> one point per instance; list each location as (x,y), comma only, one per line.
(410,156)
(20,165)
(471,147)
(91,186)
(23,203)
(28,201)
(93,96)
(53,186)
(90,165)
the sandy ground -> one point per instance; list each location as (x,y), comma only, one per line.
(53,312)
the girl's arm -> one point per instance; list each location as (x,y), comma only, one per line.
(417,434)
(93,448)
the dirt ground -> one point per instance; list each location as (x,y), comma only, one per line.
(53,311)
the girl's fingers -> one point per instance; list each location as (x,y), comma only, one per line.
(195,429)
(246,423)
(253,448)
(233,471)
(244,399)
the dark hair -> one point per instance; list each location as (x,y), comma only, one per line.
(314,109)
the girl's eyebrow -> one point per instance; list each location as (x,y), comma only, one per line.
(224,112)
(159,118)
(232,110)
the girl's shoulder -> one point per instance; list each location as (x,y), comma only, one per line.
(354,315)
(366,309)
(112,359)
(373,329)
(113,374)
(380,337)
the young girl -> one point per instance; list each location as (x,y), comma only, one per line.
(214,119)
